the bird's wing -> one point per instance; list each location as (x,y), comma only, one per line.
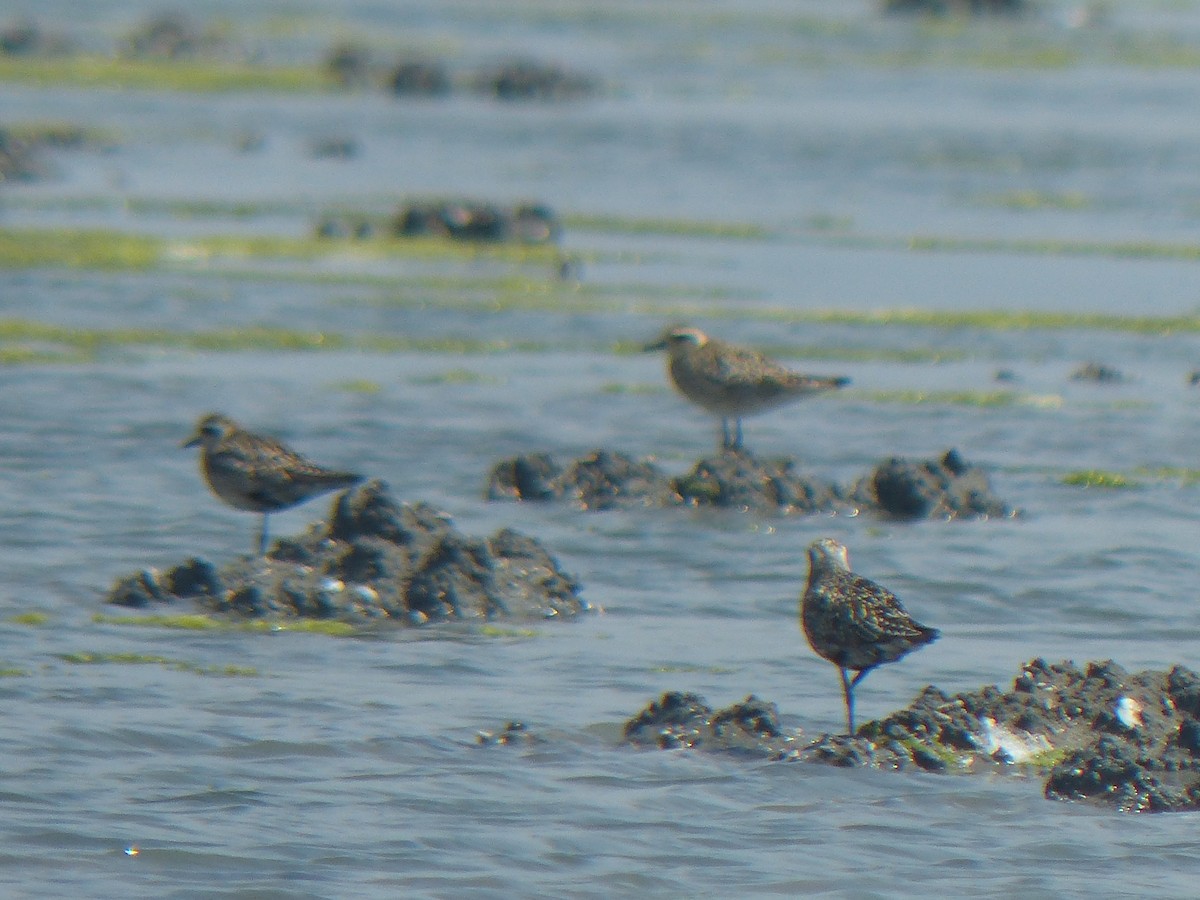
(876,612)
(262,460)
(740,365)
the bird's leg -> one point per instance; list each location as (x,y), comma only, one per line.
(848,693)
(725,443)
(262,537)
(849,687)
(737,441)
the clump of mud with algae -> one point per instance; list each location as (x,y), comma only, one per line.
(1096,733)
(944,487)
(374,559)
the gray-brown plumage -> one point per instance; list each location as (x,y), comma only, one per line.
(853,622)
(731,381)
(258,474)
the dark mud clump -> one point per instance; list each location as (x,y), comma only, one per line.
(530,80)
(175,36)
(419,78)
(736,479)
(946,487)
(600,480)
(739,480)
(685,720)
(957,7)
(467,221)
(1099,733)
(1097,373)
(19,159)
(373,559)
(26,38)
(470,220)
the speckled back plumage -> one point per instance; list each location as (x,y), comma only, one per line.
(255,473)
(729,380)
(852,621)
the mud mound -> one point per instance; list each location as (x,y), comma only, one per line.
(373,559)
(946,487)
(1099,733)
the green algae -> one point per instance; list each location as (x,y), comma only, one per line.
(1170,473)
(23,248)
(667,227)
(200,622)
(982,399)
(1095,478)
(193,76)
(498,631)
(950,757)
(1035,200)
(13,673)
(33,619)
(617,387)
(357,386)
(455,376)
(143,659)
(90,340)
(85,249)
(1044,760)
(1009,320)
(185,622)
(60,134)
(1108,479)
(85,343)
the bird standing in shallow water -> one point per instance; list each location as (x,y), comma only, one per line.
(731,381)
(255,473)
(853,622)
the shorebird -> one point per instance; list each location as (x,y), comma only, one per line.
(258,474)
(853,622)
(731,381)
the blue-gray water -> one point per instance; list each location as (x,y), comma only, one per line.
(349,767)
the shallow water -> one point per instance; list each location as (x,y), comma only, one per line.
(327,767)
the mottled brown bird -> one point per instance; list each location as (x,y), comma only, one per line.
(731,381)
(258,474)
(853,622)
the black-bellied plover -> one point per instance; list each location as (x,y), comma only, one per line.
(258,474)
(731,381)
(853,622)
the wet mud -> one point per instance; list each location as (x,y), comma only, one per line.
(373,559)
(1096,733)
(944,487)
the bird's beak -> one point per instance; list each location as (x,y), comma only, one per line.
(656,345)
(193,441)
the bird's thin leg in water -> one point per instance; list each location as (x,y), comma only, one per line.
(262,537)
(850,686)
(848,693)
(737,440)
(724,433)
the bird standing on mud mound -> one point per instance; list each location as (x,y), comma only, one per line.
(255,473)
(852,622)
(731,381)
